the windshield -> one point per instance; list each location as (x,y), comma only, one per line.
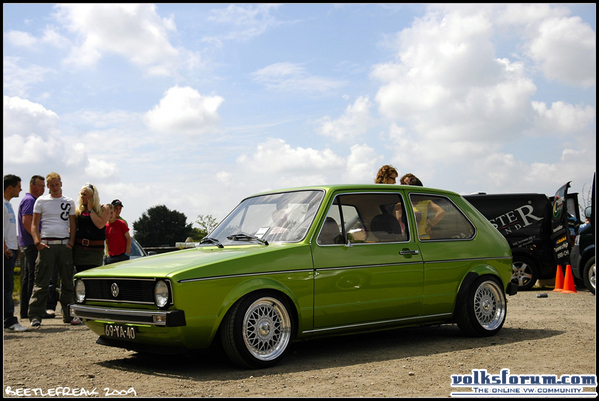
(283,217)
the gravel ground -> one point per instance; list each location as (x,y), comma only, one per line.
(553,335)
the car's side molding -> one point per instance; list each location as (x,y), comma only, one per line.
(188,280)
(369,325)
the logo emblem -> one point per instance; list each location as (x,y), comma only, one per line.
(114,290)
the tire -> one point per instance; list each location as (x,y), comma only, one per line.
(589,274)
(481,310)
(257,330)
(524,273)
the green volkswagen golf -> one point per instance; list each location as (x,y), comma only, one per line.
(293,264)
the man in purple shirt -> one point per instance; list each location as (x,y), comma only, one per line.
(36,189)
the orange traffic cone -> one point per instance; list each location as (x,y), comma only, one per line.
(569,287)
(559,279)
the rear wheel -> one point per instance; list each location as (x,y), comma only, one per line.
(257,330)
(481,310)
(524,273)
(589,274)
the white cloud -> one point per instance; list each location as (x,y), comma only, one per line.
(18,80)
(53,38)
(23,117)
(183,111)
(448,82)
(100,168)
(32,136)
(454,106)
(242,22)
(25,39)
(362,165)
(354,122)
(565,50)
(276,164)
(278,157)
(291,77)
(562,118)
(20,39)
(134,31)
(519,15)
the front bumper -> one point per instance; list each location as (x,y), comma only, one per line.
(165,318)
(512,289)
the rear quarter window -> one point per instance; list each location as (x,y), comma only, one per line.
(453,223)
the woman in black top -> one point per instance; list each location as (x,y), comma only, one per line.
(91,220)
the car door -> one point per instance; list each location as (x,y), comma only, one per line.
(366,271)
(446,240)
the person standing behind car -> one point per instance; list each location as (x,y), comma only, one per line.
(421,209)
(409,179)
(36,189)
(55,245)
(118,206)
(91,219)
(386,175)
(118,239)
(12,188)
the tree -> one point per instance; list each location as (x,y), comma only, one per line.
(159,226)
(207,223)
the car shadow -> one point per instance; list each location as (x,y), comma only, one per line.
(325,353)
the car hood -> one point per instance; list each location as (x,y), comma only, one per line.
(205,262)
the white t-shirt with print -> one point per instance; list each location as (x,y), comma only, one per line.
(55,214)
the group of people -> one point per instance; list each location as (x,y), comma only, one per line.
(58,240)
(388,175)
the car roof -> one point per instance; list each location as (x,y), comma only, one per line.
(360,187)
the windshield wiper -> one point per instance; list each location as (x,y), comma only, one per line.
(245,237)
(213,241)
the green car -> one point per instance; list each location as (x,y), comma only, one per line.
(298,263)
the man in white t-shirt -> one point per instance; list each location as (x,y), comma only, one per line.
(12,188)
(55,245)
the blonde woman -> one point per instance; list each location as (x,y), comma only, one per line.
(91,219)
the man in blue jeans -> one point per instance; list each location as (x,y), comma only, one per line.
(12,188)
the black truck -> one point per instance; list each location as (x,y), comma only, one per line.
(527,222)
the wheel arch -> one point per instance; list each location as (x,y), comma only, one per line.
(586,254)
(260,285)
(473,275)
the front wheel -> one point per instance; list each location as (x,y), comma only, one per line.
(589,274)
(481,310)
(256,331)
(524,273)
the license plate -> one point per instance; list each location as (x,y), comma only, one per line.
(120,331)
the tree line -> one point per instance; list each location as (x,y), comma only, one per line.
(160,226)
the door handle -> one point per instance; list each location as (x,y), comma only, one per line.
(408,252)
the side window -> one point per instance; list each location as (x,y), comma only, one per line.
(366,218)
(438,218)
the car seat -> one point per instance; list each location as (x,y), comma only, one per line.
(386,228)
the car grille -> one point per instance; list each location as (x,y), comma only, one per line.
(137,291)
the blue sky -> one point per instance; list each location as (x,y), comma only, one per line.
(196,106)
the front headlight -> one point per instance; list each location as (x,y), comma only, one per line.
(79,291)
(161,294)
